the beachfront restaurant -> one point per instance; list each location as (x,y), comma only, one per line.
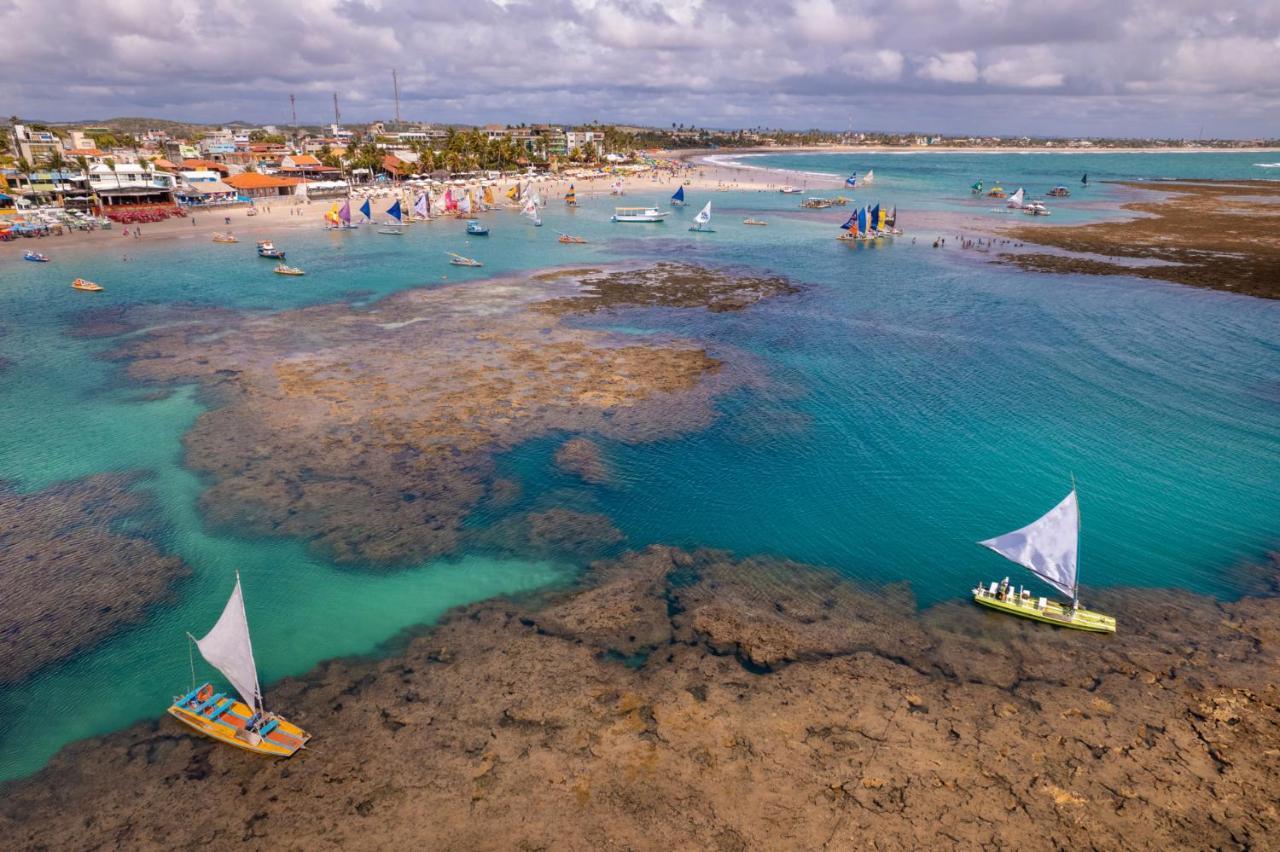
(206,194)
(254,185)
(130,185)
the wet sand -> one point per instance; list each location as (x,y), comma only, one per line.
(687,700)
(1222,235)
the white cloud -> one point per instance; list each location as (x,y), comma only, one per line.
(958,67)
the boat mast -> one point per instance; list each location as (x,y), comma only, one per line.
(1075,588)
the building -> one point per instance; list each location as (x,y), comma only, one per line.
(308,166)
(584,140)
(130,185)
(34,146)
(254,185)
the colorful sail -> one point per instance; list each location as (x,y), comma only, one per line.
(1046,547)
(488,195)
(977,186)
(883,219)
(851,181)
(450,203)
(514,192)
(344,214)
(571,197)
(394,211)
(862,221)
(678,198)
(421,207)
(331,215)
(366,210)
(850,223)
(892,221)
(873,217)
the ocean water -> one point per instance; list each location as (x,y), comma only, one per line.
(915,400)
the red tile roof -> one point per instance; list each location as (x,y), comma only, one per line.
(253,180)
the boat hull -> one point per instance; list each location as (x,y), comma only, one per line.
(1053,613)
(284,740)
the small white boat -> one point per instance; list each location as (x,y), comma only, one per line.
(791,190)
(639,214)
(1035,208)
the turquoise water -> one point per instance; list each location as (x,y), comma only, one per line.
(941,181)
(917,400)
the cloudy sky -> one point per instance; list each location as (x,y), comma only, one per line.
(1087,67)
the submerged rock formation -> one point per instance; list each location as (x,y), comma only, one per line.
(692,701)
(69,575)
(371,431)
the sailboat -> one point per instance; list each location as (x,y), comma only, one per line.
(1015,200)
(367,211)
(976,189)
(870,176)
(852,181)
(331,221)
(677,200)
(245,724)
(1047,548)
(393,228)
(530,209)
(571,197)
(422,207)
(344,216)
(1085,179)
(702,220)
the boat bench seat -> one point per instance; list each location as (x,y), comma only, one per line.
(268,728)
(222,707)
(210,702)
(182,702)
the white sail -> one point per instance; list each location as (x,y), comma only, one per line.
(464,206)
(1046,547)
(704,216)
(1015,200)
(228,649)
(870,176)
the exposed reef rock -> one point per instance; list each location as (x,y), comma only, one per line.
(68,576)
(690,701)
(371,431)
(1216,234)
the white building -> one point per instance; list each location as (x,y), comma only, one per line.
(584,140)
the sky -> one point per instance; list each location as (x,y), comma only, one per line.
(1169,68)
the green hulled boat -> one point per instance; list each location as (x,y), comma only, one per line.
(1047,548)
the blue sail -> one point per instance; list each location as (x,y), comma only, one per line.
(679,196)
(366,210)
(875,217)
(862,221)
(394,210)
(851,181)
(849,223)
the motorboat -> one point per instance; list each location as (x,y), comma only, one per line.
(1035,208)
(35,257)
(571,240)
(267,249)
(475,229)
(459,260)
(86,286)
(790,190)
(754,222)
(282,269)
(639,214)
(1059,192)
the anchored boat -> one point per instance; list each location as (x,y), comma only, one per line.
(677,200)
(475,229)
(459,260)
(244,724)
(86,286)
(266,248)
(35,257)
(282,269)
(225,238)
(639,214)
(1047,548)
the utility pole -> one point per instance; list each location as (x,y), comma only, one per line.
(293,107)
(395,85)
(337,116)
